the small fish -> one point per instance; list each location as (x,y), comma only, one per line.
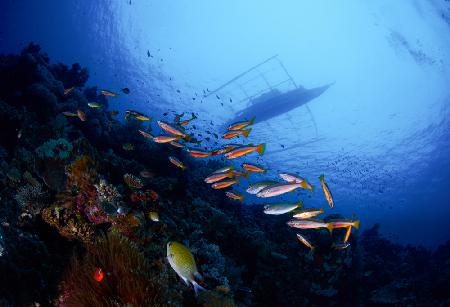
(344,224)
(278,189)
(114,112)
(81,115)
(291,177)
(128,147)
(224,184)
(70,114)
(343,245)
(198,153)
(308,213)
(98,275)
(165,138)
(146,174)
(146,134)
(173,130)
(19,133)
(183,263)
(296,179)
(125,90)
(253,168)
(177,162)
(108,93)
(309,224)
(256,187)
(185,122)
(176,144)
(277,209)
(240,151)
(303,240)
(240,125)
(68,90)
(240,174)
(214,177)
(224,169)
(347,234)
(234,195)
(327,191)
(94,105)
(136,115)
(234,133)
(154,216)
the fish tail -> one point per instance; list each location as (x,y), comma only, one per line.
(241,198)
(187,137)
(183,167)
(251,121)
(246,132)
(245,175)
(356,224)
(197,287)
(261,148)
(321,177)
(300,204)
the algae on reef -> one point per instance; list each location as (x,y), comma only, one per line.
(72,202)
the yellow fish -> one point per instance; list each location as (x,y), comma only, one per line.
(308,213)
(183,263)
(154,216)
(327,191)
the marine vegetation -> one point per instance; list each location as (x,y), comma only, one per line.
(86,222)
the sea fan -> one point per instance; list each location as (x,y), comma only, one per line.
(126,281)
(132,181)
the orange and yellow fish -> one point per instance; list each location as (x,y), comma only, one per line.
(234,133)
(303,240)
(81,115)
(224,184)
(308,213)
(344,224)
(234,195)
(173,130)
(108,93)
(214,177)
(253,168)
(146,134)
(240,125)
(199,153)
(136,115)
(243,150)
(165,138)
(177,162)
(327,191)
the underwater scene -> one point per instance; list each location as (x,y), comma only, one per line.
(224,153)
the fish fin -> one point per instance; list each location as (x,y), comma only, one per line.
(321,177)
(251,121)
(246,132)
(261,148)
(197,287)
(330,227)
(300,204)
(184,167)
(185,280)
(356,224)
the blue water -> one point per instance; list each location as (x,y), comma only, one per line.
(380,134)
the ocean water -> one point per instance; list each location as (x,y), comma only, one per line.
(380,133)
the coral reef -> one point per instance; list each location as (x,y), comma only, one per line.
(72,183)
